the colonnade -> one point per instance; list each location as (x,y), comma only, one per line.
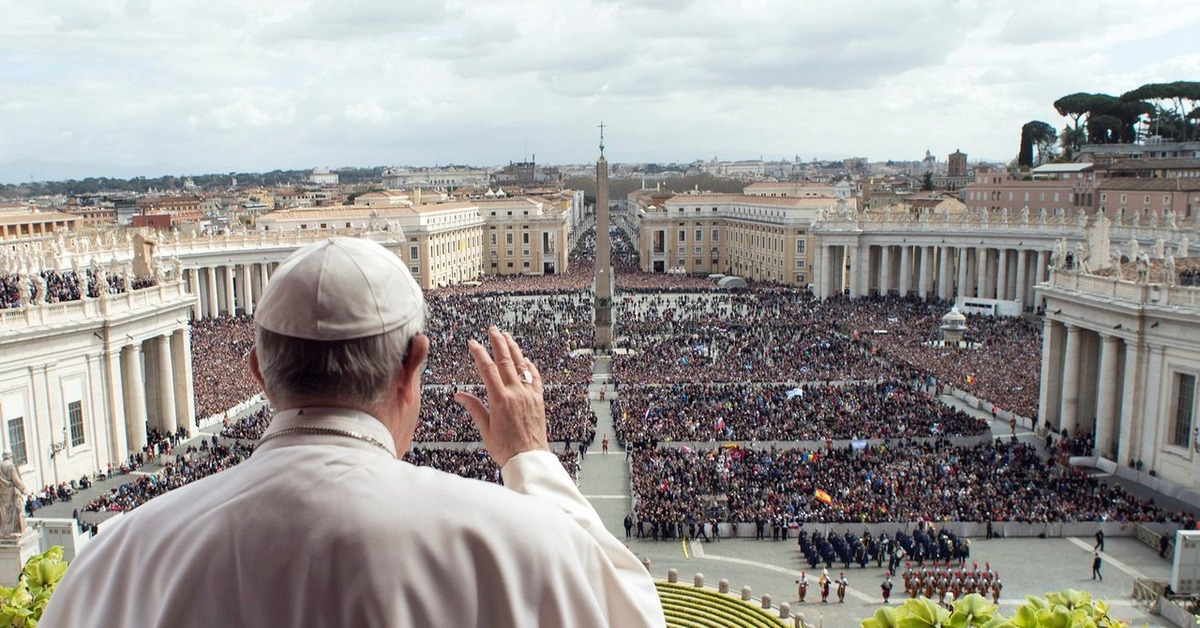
(1089,383)
(228,289)
(926,271)
(156,380)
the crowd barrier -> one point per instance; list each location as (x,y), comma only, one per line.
(970,529)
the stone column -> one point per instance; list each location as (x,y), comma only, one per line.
(213,310)
(822,273)
(247,291)
(981,265)
(1152,401)
(230,299)
(1050,391)
(114,397)
(961,291)
(181,364)
(1070,380)
(885,270)
(856,271)
(924,272)
(1022,279)
(1106,395)
(135,397)
(166,384)
(906,266)
(1131,389)
(194,288)
(943,287)
(1002,274)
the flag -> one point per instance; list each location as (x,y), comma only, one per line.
(795,392)
(822,497)
(970,379)
(648,406)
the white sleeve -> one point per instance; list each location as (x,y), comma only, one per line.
(539,474)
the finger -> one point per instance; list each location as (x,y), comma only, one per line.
(478,411)
(484,365)
(537,377)
(514,350)
(503,359)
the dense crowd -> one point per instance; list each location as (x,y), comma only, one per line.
(220,370)
(476,464)
(249,427)
(765,336)
(188,467)
(555,331)
(904,482)
(50,286)
(810,412)
(569,416)
(1003,368)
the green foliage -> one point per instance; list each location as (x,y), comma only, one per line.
(23,604)
(1068,608)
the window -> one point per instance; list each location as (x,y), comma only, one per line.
(75,415)
(682,235)
(416,270)
(699,235)
(801,247)
(508,239)
(1185,397)
(413,252)
(716,235)
(799,278)
(525,239)
(525,253)
(682,250)
(526,264)
(16,441)
(699,251)
(1124,198)
(800,263)
(493,239)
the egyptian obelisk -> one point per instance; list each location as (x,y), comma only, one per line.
(604,334)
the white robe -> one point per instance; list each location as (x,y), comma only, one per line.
(318,530)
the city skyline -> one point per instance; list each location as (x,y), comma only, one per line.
(143,88)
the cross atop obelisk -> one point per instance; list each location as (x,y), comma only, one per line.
(603,337)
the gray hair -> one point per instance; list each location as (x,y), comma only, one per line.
(359,370)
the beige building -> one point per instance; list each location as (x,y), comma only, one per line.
(449,242)
(758,237)
(17,222)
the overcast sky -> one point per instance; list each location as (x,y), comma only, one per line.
(94,87)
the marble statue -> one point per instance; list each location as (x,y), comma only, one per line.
(1169,270)
(1025,215)
(1160,248)
(12,498)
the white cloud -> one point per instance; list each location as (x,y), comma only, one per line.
(276,83)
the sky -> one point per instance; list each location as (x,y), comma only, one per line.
(109,88)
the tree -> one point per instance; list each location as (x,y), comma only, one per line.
(1068,607)
(927,182)
(1036,133)
(1176,101)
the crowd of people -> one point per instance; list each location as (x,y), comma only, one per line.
(475,463)
(49,286)
(761,336)
(887,409)
(192,465)
(220,370)
(899,482)
(555,331)
(569,416)
(1003,366)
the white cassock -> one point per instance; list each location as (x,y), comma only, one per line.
(322,530)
